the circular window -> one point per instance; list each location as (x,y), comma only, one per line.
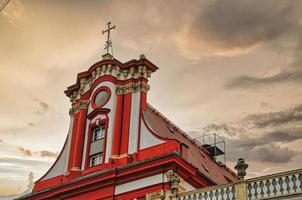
(101,97)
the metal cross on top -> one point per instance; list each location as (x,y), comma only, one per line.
(108,42)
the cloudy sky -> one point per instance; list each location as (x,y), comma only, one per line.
(232,67)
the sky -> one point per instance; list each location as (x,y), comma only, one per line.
(228,67)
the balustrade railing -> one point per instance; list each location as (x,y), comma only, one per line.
(285,185)
(275,185)
(223,192)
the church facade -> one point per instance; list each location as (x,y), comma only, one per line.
(119,146)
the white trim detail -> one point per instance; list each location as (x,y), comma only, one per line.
(111,105)
(85,144)
(134,122)
(147,139)
(140,183)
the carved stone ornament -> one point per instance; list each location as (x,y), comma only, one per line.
(132,87)
(115,71)
(82,104)
(241,167)
(174,181)
(155,196)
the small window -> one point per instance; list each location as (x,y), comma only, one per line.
(101,98)
(98,133)
(96,160)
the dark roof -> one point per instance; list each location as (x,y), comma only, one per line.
(197,155)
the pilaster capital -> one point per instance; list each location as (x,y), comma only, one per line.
(132,87)
(82,104)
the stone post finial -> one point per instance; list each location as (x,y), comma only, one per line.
(241,166)
(174,181)
(142,56)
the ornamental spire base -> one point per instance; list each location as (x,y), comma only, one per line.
(107,56)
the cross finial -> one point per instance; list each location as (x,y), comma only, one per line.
(108,43)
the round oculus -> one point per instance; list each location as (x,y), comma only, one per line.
(101,98)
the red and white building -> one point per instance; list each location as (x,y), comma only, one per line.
(120,147)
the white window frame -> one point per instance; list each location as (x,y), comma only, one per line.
(98,133)
(95,160)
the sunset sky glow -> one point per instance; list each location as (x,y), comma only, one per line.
(231,67)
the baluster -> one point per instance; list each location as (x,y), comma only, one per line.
(233,193)
(280,182)
(300,180)
(249,189)
(274,183)
(194,197)
(189,198)
(222,193)
(205,195)
(216,195)
(200,196)
(261,185)
(268,184)
(255,187)
(211,195)
(294,179)
(287,180)
(227,191)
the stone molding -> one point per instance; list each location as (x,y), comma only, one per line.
(82,104)
(132,87)
(111,70)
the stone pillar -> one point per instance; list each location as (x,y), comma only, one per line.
(241,186)
(241,167)
(174,181)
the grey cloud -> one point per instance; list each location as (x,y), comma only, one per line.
(262,120)
(244,23)
(258,149)
(246,81)
(221,127)
(283,136)
(270,153)
(261,141)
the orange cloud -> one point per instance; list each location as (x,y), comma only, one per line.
(26,152)
(46,153)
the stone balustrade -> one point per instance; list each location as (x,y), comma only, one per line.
(286,185)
